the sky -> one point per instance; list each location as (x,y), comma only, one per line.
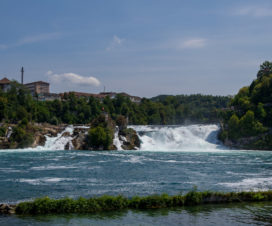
(143,47)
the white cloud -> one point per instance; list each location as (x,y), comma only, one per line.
(116,41)
(73,79)
(33,39)
(193,43)
(38,38)
(255,11)
(49,72)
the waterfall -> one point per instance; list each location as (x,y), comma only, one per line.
(179,138)
(116,141)
(153,138)
(61,140)
(9,132)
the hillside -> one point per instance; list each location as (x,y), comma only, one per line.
(248,120)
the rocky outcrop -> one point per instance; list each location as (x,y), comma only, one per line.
(130,139)
(7,209)
(79,138)
(39,140)
(4,143)
(260,142)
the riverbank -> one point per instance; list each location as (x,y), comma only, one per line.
(261,142)
(106,203)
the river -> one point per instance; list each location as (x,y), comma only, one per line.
(172,159)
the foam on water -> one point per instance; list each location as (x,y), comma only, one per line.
(179,138)
(247,184)
(44,180)
(59,142)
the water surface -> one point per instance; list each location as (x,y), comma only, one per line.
(190,156)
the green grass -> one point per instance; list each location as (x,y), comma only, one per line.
(111,203)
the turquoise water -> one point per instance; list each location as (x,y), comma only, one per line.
(29,174)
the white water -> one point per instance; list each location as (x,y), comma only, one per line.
(59,142)
(116,141)
(153,138)
(178,138)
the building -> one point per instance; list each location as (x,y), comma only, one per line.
(39,87)
(134,99)
(85,95)
(102,95)
(5,84)
(48,96)
(112,95)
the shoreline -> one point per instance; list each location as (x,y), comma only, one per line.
(106,203)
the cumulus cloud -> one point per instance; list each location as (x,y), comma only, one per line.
(193,43)
(255,11)
(116,41)
(73,79)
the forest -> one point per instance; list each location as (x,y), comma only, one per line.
(250,111)
(17,104)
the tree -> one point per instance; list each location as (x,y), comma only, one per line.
(99,137)
(265,69)
(233,124)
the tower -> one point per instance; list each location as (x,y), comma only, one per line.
(22,75)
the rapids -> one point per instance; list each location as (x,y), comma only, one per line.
(171,159)
(178,138)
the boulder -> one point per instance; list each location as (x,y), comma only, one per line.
(7,209)
(39,140)
(130,139)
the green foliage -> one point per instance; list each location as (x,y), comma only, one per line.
(21,136)
(121,122)
(17,104)
(245,127)
(54,121)
(110,203)
(233,124)
(265,69)
(99,137)
(252,109)
(3,131)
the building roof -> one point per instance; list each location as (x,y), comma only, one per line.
(38,82)
(80,94)
(5,81)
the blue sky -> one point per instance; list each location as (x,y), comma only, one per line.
(143,47)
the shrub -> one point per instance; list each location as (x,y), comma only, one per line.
(3,131)
(109,203)
(99,137)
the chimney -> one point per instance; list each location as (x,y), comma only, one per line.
(22,75)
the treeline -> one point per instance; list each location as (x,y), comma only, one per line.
(17,104)
(194,108)
(250,111)
(111,203)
